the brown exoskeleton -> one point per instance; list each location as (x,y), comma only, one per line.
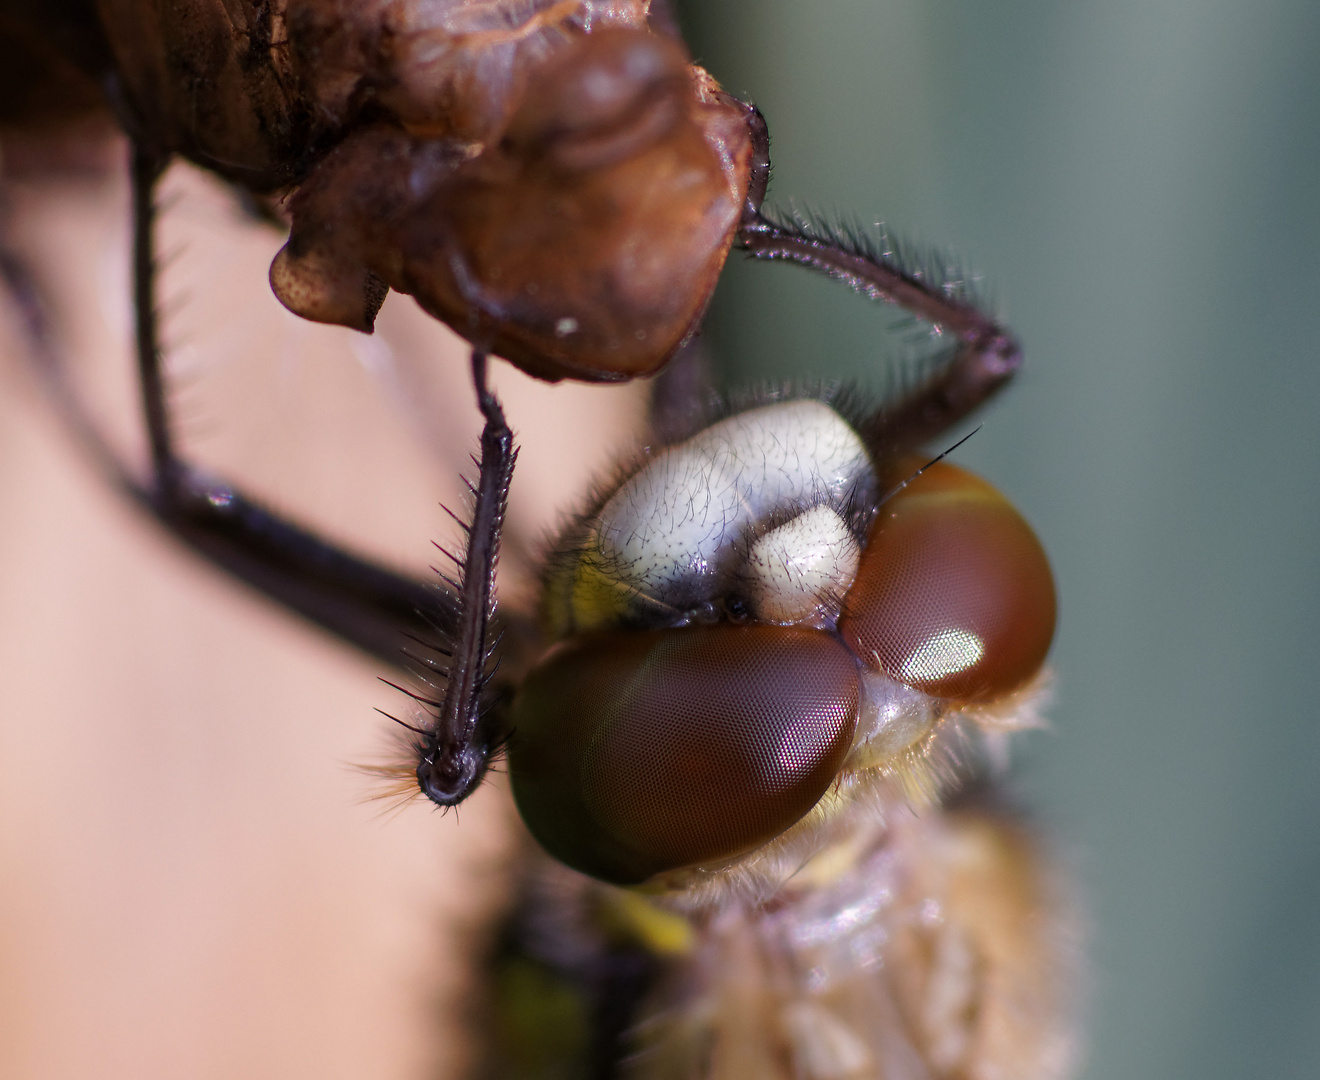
(732,721)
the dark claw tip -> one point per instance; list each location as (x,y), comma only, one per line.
(449,783)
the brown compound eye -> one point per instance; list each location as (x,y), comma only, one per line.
(954,595)
(636,753)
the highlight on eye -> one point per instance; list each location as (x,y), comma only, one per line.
(954,594)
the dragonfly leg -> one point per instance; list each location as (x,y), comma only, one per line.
(465,734)
(985,355)
(361,602)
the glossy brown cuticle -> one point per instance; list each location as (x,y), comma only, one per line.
(583,241)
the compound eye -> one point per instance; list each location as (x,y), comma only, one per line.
(954,595)
(636,753)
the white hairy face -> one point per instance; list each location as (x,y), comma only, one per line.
(753,507)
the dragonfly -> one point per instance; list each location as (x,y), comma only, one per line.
(766,927)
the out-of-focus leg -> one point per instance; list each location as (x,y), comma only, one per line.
(191,883)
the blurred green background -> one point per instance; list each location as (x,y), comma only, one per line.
(1136,182)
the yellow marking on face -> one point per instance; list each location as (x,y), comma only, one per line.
(662,932)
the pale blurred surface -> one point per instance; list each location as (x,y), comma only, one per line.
(192,883)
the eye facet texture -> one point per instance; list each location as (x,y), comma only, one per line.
(637,753)
(954,595)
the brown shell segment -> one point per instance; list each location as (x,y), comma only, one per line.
(954,594)
(583,243)
(554,181)
(642,752)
